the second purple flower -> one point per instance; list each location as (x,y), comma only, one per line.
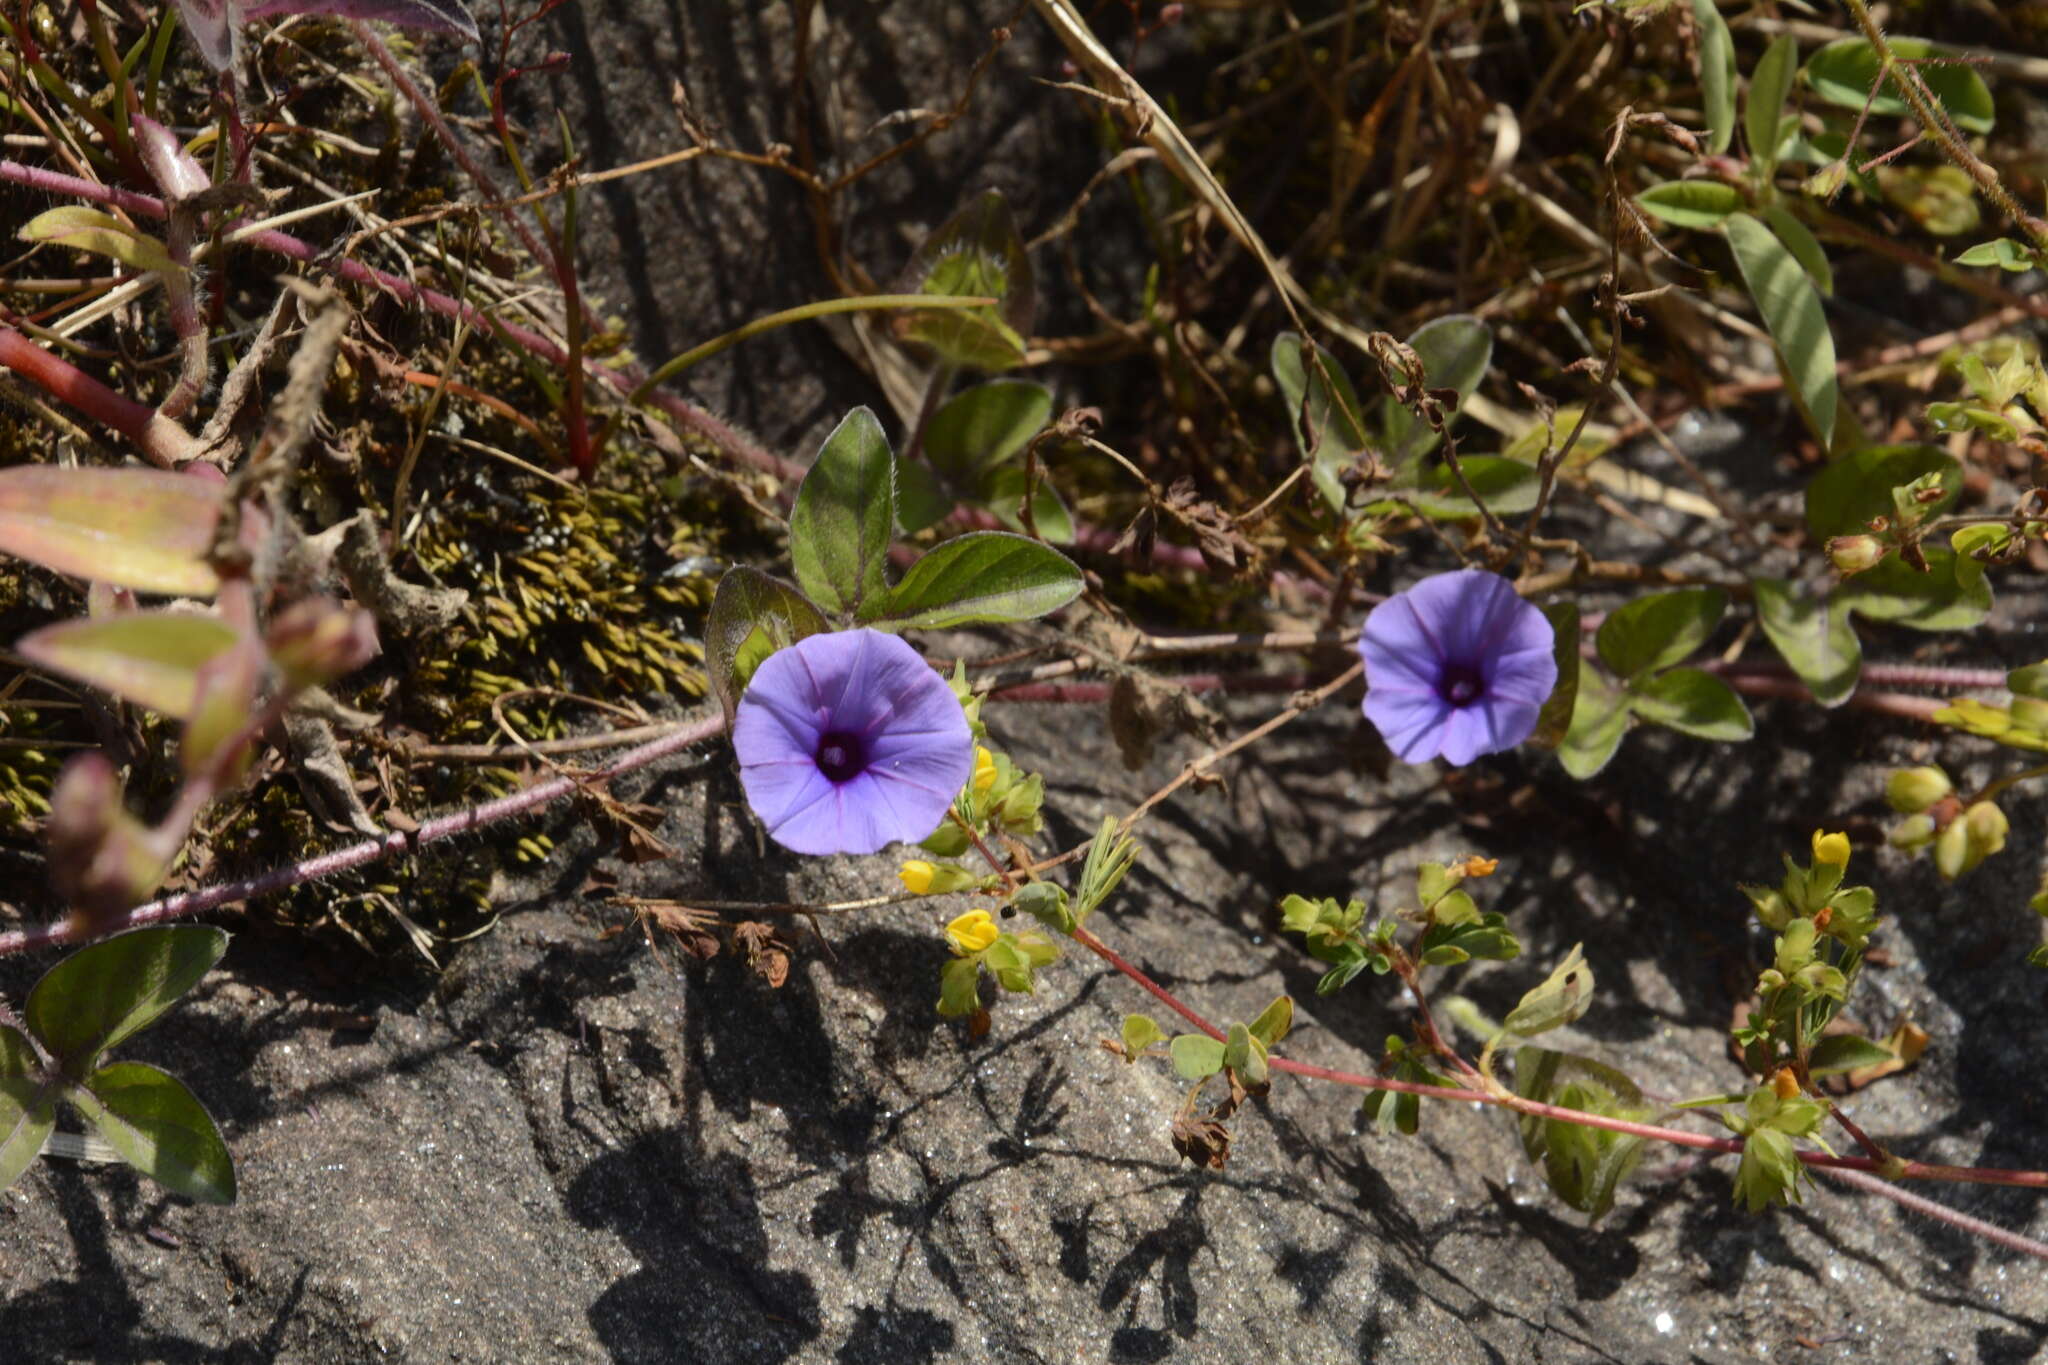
(1456,666)
(849,742)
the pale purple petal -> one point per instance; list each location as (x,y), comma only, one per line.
(1530,676)
(848,742)
(1411,722)
(1457,666)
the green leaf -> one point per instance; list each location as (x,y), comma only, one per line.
(1196,1055)
(960,987)
(1275,1021)
(1792,311)
(1815,638)
(1455,352)
(1599,720)
(1506,486)
(1110,855)
(1952,595)
(135,528)
(1692,702)
(1003,489)
(1691,203)
(1583,1165)
(1717,74)
(1845,72)
(1857,486)
(1554,721)
(1324,409)
(1564,995)
(1446,944)
(752,615)
(1770,81)
(109,990)
(981,427)
(17,1055)
(1139,1033)
(27,1114)
(84,229)
(921,500)
(975,252)
(151,658)
(1841,1052)
(1795,238)
(981,576)
(160,1128)
(1657,631)
(844,517)
(2003,252)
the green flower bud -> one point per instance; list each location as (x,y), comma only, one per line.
(2030,714)
(1988,827)
(1912,790)
(1952,851)
(1854,554)
(1795,946)
(1771,908)
(1913,833)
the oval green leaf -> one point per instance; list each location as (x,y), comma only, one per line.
(752,615)
(1814,637)
(1952,595)
(975,252)
(845,516)
(985,425)
(985,576)
(160,1128)
(1658,631)
(1770,81)
(1196,1056)
(1692,702)
(1455,352)
(144,529)
(1857,486)
(1599,721)
(1324,409)
(1845,72)
(1717,74)
(84,229)
(1691,203)
(109,990)
(151,658)
(1791,309)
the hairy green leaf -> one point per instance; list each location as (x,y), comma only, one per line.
(845,515)
(975,252)
(1845,72)
(981,576)
(160,1128)
(981,427)
(752,615)
(107,991)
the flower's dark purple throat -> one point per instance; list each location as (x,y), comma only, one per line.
(841,755)
(1460,684)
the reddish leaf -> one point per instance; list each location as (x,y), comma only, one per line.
(135,528)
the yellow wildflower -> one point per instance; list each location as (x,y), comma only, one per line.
(1831,848)
(917,876)
(984,770)
(971,932)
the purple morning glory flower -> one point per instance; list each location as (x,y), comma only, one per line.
(1458,665)
(849,741)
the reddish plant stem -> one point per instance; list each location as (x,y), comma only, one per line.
(365,852)
(1903,1170)
(160,438)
